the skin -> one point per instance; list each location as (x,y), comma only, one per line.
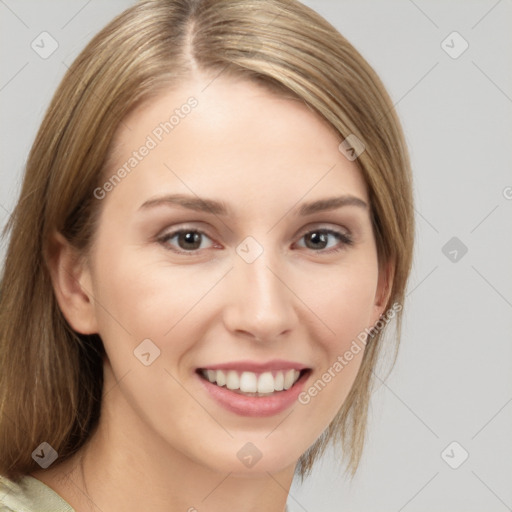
(162,443)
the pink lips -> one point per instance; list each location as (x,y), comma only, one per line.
(254,406)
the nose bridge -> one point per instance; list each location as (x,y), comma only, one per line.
(263,287)
(260,303)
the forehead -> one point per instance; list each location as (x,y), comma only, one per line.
(211,138)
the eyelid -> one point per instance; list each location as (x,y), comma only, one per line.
(324,226)
(186,226)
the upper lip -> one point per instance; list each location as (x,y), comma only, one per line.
(256,366)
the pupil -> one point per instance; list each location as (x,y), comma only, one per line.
(318,238)
(191,239)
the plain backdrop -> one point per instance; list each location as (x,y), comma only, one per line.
(440,425)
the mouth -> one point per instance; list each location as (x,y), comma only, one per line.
(254,389)
(254,384)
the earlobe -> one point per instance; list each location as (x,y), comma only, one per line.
(384,287)
(72,285)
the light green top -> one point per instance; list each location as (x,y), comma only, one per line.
(30,495)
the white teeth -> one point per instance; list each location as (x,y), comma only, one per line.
(266,383)
(232,380)
(221,377)
(289,379)
(279,381)
(250,382)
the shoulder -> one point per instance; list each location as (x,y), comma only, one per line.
(30,495)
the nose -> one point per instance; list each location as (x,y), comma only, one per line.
(260,303)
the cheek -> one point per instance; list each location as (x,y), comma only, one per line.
(146,298)
(344,302)
(140,297)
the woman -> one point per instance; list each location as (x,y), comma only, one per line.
(214,229)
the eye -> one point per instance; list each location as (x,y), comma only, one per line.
(187,240)
(322,239)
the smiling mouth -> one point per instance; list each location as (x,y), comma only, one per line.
(246,383)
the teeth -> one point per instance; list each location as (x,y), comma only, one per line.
(279,381)
(232,380)
(266,383)
(289,379)
(250,382)
(220,378)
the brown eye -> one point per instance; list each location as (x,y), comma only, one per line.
(321,239)
(187,240)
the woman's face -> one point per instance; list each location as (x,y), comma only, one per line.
(237,247)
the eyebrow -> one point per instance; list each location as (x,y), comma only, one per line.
(220,208)
(189,202)
(331,203)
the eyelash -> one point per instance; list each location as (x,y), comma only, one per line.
(343,238)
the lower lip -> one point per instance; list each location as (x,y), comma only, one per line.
(252,405)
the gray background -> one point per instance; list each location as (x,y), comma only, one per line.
(453,378)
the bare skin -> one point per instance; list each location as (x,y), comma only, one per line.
(163,444)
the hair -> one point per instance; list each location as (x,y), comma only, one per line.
(51,377)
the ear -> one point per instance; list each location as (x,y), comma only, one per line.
(72,285)
(383,291)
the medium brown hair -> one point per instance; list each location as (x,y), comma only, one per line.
(50,376)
